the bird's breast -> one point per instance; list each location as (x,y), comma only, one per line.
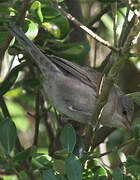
(70,96)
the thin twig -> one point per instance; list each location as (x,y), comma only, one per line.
(124,28)
(111,151)
(37,118)
(87,30)
(114,12)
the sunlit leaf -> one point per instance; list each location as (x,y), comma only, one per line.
(58,26)
(32,30)
(37,6)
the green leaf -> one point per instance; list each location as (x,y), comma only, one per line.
(117,174)
(22,156)
(32,30)
(68,138)
(73,168)
(49,175)
(37,6)
(137,100)
(59,166)
(10,79)
(58,26)
(109,1)
(137,131)
(50,12)
(133,165)
(60,177)
(136,97)
(40,160)
(127,178)
(8,135)
(62,153)
(72,51)
(101,172)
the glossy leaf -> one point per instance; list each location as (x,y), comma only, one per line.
(50,12)
(8,135)
(32,30)
(37,6)
(73,168)
(49,175)
(58,26)
(68,138)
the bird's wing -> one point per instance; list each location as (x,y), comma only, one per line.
(74,69)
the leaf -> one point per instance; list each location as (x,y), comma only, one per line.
(32,30)
(62,153)
(72,51)
(49,175)
(59,166)
(73,168)
(10,79)
(8,135)
(136,97)
(127,178)
(40,160)
(50,12)
(68,138)
(60,177)
(58,26)
(37,6)
(22,156)
(137,131)
(117,174)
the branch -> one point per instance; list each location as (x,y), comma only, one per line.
(87,30)
(119,60)
(37,118)
(92,156)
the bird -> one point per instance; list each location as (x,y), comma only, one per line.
(71,88)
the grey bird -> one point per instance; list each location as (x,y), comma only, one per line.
(71,88)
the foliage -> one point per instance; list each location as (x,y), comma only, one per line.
(59,151)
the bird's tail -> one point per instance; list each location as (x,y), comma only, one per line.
(41,60)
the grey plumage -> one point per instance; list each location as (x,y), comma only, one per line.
(72,88)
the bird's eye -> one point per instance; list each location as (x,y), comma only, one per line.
(124,112)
